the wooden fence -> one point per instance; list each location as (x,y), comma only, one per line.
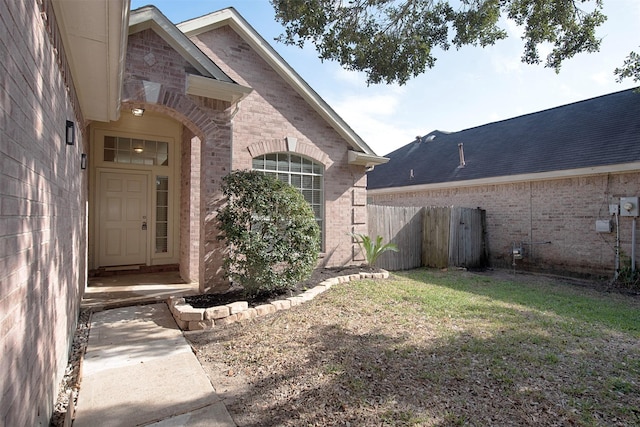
(399,225)
(436,237)
(467,243)
(430,236)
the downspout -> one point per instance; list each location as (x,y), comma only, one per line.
(617,264)
(633,246)
(531,221)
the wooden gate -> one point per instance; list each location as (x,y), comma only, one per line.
(467,248)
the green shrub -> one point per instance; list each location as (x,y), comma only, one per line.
(271,232)
(627,277)
(373,249)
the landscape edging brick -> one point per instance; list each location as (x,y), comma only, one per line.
(183,313)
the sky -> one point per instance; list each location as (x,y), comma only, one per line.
(466,88)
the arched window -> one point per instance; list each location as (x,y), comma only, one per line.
(301,173)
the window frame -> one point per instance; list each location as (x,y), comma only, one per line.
(310,182)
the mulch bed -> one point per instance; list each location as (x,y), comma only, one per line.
(236,293)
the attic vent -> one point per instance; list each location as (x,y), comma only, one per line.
(430,138)
(461,153)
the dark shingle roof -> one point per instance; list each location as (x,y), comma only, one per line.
(595,132)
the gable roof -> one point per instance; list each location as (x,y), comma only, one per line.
(150,17)
(598,134)
(211,82)
(363,154)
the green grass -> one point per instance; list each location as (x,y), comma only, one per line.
(520,337)
(432,348)
(479,297)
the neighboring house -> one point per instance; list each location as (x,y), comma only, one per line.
(86,185)
(544,180)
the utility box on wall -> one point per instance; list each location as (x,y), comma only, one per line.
(604,226)
(629,206)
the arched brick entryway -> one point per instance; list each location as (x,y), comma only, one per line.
(205,159)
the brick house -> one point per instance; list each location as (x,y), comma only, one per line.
(544,179)
(85,184)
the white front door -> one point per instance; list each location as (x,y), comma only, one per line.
(122,219)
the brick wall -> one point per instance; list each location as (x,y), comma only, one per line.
(230,138)
(150,58)
(190,206)
(560,211)
(43,196)
(154,60)
(274,111)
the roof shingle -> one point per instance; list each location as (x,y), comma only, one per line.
(594,132)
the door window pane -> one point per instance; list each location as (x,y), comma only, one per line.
(124,144)
(162,214)
(135,151)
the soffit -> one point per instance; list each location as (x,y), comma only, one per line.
(94,39)
(215,89)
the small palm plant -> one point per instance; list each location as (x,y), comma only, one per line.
(372,250)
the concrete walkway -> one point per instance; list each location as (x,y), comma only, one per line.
(139,369)
(129,289)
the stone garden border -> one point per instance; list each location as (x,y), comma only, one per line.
(189,318)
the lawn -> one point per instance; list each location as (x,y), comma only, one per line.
(431,348)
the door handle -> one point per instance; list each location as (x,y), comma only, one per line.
(144,225)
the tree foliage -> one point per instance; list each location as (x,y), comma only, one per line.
(272,235)
(394,40)
(630,68)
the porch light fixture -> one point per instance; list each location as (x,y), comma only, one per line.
(138,147)
(70,133)
(83,161)
(138,112)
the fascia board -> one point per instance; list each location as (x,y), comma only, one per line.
(117,54)
(367,160)
(512,179)
(230,17)
(215,89)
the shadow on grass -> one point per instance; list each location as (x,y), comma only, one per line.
(510,377)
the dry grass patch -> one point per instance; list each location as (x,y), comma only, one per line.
(428,348)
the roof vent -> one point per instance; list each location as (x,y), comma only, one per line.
(430,138)
(461,153)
